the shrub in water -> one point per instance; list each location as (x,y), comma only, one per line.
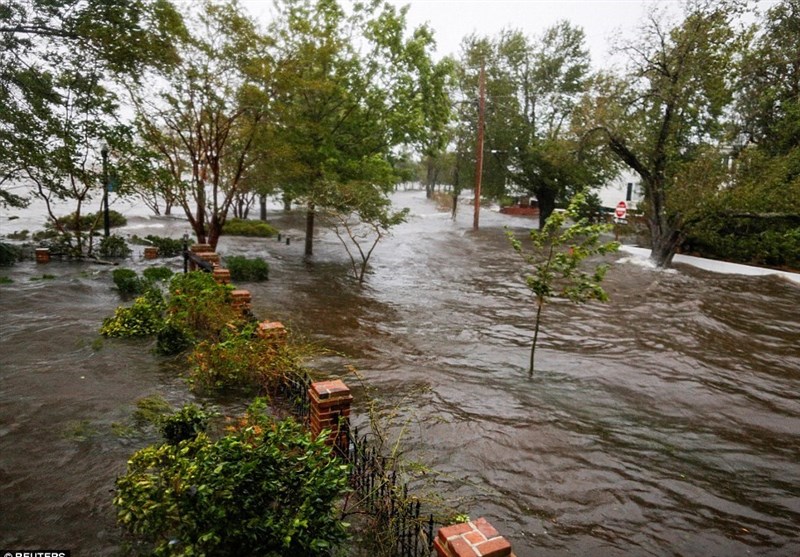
(247,270)
(187,423)
(268,489)
(114,247)
(199,305)
(127,281)
(172,339)
(8,254)
(155,274)
(141,319)
(115,219)
(253,228)
(167,247)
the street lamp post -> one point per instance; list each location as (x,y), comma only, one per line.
(106,222)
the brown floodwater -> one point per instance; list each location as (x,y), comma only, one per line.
(666,422)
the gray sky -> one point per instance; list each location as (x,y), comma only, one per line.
(452,20)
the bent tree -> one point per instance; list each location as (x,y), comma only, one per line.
(556,258)
(663,118)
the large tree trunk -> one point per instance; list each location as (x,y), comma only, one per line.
(310,229)
(430,178)
(665,240)
(546,199)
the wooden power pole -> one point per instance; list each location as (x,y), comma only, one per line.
(479,148)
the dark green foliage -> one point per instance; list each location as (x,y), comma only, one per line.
(6,280)
(252,228)
(247,270)
(114,247)
(187,423)
(744,240)
(128,282)
(167,247)
(8,254)
(266,489)
(156,274)
(172,339)
(91,221)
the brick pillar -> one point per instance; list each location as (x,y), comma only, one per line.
(197,249)
(273,330)
(211,257)
(240,299)
(222,276)
(471,539)
(330,409)
(150,252)
(42,255)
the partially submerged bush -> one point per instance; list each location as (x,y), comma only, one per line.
(199,305)
(90,221)
(267,489)
(128,282)
(240,361)
(8,254)
(187,423)
(156,274)
(247,270)
(252,228)
(143,318)
(114,247)
(167,247)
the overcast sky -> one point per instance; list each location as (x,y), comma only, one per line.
(452,20)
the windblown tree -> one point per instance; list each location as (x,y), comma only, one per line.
(203,116)
(533,86)
(59,63)
(353,88)
(664,117)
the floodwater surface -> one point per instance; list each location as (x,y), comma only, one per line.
(666,422)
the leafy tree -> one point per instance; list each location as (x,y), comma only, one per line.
(265,489)
(203,115)
(361,217)
(352,88)
(556,259)
(533,86)
(58,61)
(664,117)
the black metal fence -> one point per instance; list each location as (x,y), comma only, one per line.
(401,529)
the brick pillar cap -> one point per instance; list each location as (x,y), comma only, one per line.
(334,388)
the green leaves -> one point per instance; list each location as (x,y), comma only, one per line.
(266,488)
(556,262)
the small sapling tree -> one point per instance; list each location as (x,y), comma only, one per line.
(555,260)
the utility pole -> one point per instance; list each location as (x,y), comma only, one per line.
(479,148)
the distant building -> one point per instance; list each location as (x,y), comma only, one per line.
(625,187)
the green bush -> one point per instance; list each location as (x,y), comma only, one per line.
(240,361)
(172,339)
(200,306)
(167,247)
(128,282)
(114,247)
(187,423)
(156,274)
(90,220)
(266,489)
(8,254)
(253,228)
(143,318)
(247,270)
